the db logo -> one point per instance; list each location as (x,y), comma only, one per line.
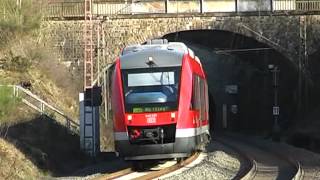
(151,118)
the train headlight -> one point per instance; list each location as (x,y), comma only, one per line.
(173,116)
(129,117)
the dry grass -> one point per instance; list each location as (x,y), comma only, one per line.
(49,89)
(18,21)
(50,79)
(61,75)
(14,164)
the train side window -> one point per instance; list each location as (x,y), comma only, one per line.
(199,100)
(202,99)
(196,91)
(206,102)
(198,105)
(193,98)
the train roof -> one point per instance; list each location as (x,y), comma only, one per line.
(162,55)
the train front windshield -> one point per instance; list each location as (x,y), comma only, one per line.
(151,89)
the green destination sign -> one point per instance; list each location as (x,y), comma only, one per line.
(150,109)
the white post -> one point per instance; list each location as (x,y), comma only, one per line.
(14,90)
(41,107)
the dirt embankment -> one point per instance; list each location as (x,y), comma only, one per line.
(48,148)
(14,164)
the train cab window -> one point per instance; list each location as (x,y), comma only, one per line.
(151,90)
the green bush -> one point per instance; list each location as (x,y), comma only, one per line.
(8,102)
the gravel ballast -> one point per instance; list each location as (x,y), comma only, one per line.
(221,162)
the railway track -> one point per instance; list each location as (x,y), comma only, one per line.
(263,163)
(257,162)
(131,173)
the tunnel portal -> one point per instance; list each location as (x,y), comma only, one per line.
(241,81)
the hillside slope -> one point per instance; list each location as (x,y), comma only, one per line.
(32,145)
(14,164)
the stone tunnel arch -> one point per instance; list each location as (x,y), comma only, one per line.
(124,31)
(255,110)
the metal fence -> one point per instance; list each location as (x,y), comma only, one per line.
(33,101)
(105,8)
(308,5)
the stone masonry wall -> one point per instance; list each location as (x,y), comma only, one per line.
(279,32)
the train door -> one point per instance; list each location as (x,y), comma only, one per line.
(203,109)
(200,106)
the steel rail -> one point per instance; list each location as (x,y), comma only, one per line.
(153,174)
(114,175)
(299,174)
(170,169)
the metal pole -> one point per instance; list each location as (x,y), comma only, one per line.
(305,64)
(62,13)
(106,95)
(201,6)
(301,57)
(99,49)
(103,46)
(166,2)
(276,109)
(236,5)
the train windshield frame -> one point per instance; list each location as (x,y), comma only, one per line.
(153,89)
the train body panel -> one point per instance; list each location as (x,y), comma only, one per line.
(117,100)
(156,110)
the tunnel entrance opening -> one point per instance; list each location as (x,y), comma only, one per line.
(241,82)
(306,133)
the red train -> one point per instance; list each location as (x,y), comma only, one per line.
(159,102)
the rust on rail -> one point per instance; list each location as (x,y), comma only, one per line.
(150,175)
(115,174)
(170,169)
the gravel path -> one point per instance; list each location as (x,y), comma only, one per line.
(220,163)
